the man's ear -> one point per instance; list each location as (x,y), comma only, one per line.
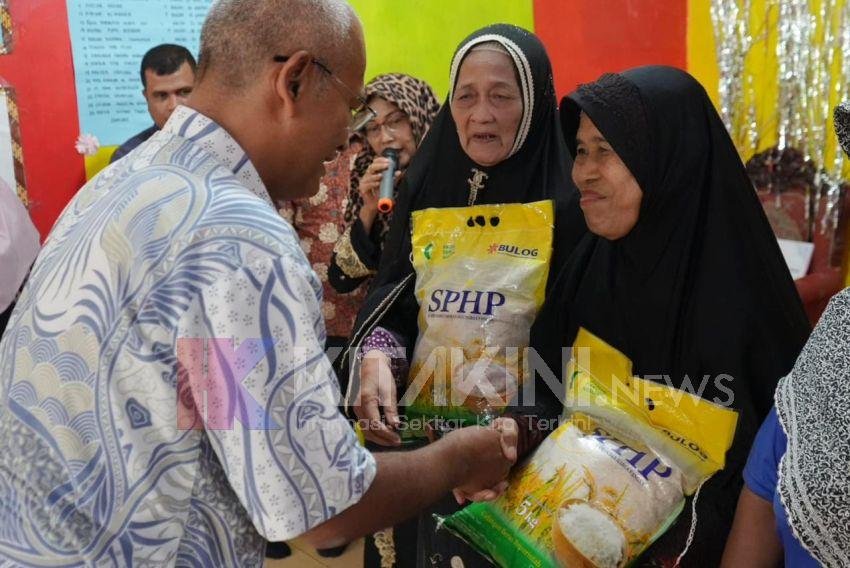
(292,77)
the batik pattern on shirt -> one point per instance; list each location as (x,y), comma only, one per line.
(173,245)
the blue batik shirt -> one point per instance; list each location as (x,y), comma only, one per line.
(164,395)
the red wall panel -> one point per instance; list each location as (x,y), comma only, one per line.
(586,38)
(41,70)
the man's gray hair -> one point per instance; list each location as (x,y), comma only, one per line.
(240,37)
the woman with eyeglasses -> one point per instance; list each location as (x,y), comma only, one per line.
(404,107)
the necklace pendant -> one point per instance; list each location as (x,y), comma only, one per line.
(476,183)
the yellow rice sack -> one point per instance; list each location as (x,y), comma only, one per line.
(480,280)
(611,479)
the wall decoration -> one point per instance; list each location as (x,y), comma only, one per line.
(6,29)
(11,153)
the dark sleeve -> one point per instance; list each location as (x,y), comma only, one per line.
(356,257)
(391,302)
(538,406)
(119,153)
(4,317)
(132,144)
(540,402)
(393,307)
(570,230)
(395,267)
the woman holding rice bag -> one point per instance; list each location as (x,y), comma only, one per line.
(611,479)
(496,141)
(681,272)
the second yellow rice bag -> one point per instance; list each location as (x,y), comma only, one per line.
(611,479)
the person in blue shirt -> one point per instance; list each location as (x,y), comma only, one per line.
(795,505)
(168,74)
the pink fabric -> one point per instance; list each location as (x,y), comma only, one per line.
(319,224)
(19,245)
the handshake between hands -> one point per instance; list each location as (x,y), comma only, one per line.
(492,451)
(483,455)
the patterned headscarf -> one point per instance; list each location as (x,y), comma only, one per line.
(415,98)
(842,125)
(813,405)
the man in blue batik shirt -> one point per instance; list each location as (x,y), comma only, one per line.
(164,396)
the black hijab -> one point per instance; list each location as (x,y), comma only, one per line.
(439,176)
(698,287)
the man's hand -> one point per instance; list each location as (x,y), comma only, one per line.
(474,460)
(489,452)
(378,390)
(510,436)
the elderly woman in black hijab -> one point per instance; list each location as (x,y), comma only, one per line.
(496,140)
(680,271)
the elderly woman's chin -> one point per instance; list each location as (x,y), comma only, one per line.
(485,154)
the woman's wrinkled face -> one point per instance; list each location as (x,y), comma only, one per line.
(610,194)
(390,129)
(487,106)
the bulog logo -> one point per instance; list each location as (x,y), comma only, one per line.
(513,250)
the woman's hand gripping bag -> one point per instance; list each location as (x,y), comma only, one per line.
(481,276)
(611,479)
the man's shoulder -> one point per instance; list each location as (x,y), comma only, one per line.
(177,178)
(133,143)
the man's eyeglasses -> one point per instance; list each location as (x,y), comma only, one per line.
(360,115)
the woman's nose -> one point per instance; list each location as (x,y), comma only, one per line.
(482,112)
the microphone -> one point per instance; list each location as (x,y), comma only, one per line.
(386,201)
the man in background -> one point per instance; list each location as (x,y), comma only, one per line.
(168,73)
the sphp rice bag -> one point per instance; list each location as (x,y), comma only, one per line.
(611,479)
(480,280)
